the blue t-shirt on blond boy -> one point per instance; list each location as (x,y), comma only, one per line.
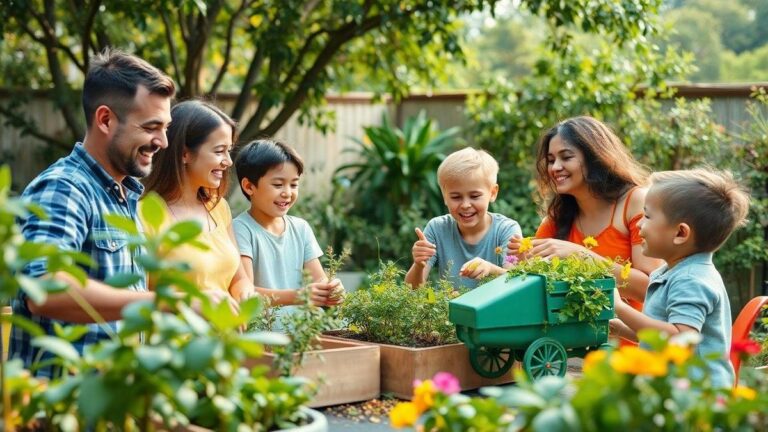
(452,251)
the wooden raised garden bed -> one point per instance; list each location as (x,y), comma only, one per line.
(400,366)
(346,371)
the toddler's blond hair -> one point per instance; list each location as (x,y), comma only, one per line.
(468,162)
(710,201)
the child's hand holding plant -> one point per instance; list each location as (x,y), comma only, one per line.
(336,295)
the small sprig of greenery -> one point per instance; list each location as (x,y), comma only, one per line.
(335,263)
(584,301)
(391,311)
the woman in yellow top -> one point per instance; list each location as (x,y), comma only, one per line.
(191,176)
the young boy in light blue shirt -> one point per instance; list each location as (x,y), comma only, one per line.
(469,243)
(688,216)
(276,248)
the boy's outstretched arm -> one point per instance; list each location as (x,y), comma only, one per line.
(618,329)
(637,320)
(422,251)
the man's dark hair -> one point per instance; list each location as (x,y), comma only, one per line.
(114,77)
(256,158)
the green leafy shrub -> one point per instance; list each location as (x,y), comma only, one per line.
(392,312)
(397,169)
(167,363)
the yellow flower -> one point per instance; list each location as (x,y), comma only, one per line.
(555,262)
(423,395)
(744,392)
(594,358)
(403,414)
(637,361)
(526,244)
(499,250)
(625,270)
(677,354)
(590,242)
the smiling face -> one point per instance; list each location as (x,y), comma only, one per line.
(207,166)
(565,166)
(657,232)
(139,135)
(276,192)
(468,199)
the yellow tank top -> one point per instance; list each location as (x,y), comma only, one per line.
(215,267)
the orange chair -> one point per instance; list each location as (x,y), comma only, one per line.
(743,325)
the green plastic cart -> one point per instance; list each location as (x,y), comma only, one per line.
(518,319)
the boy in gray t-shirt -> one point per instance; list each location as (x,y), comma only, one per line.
(688,216)
(276,248)
(469,243)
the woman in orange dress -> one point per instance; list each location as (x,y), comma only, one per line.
(591,187)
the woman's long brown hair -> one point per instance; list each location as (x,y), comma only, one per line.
(610,169)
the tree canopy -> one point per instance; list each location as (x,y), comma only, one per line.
(280,57)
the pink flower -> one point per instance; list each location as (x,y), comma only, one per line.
(512,259)
(446,383)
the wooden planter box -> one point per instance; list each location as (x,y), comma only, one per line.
(400,366)
(346,371)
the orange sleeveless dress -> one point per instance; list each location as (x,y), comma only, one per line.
(611,243)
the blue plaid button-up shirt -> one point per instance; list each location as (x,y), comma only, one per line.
(76,193)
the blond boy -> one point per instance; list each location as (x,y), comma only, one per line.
(468,243)
(688,215)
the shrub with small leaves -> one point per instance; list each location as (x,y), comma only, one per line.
(391,311)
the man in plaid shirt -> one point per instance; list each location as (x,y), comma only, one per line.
(127,110)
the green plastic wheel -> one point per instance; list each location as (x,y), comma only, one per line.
(545,357)
(491,362)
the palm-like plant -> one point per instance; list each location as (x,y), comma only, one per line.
(397,168)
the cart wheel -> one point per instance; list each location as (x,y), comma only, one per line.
(491,362)
(545,357)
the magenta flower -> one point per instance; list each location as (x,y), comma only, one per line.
(512,259)
(446,383)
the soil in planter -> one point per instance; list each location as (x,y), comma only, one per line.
(372,411)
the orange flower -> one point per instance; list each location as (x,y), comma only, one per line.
(637,361)
(403,414)
(423,395)
(499,250)
(594,358)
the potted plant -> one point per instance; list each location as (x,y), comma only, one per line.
(168,367)
(412,330)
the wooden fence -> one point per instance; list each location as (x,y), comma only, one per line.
(323,153)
